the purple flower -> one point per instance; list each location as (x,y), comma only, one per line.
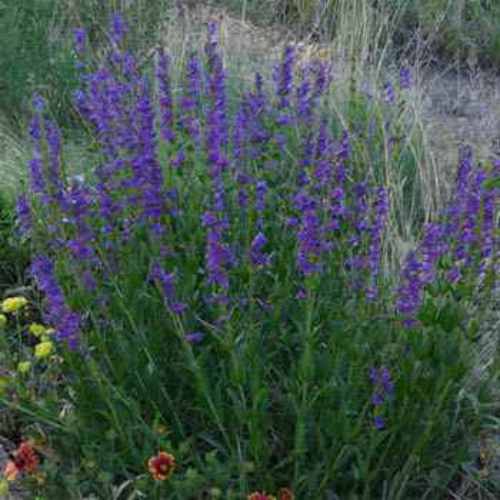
(454,275)
(323,142)
(260,197)
(405,81)
(469,229)
(389,96)
(410,292)
(178,160)
(79,38)
(283,77)
(36,168)
(38,103)
(194,337)
(305,101)
(148,176)
(212,42)
(337,209)
(190,99)
(218,256)
(432,247)
(310,245)
(257,257)
(54,179)
(118,28)
(24,216)
(323,78)
(166,282)
(489,198)
(65,322)
(379,422)
(383,388)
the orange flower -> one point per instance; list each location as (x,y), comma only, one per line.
(285,494)
(161,466)
(10,471)
(26,458)
(257,495)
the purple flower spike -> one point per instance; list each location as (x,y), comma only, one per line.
(24,216)
(389,96)
(118,28)
(283,77)
(166,282)
(218,256)
(65,322)
(379,422)
(383,387)
(405,81)
(38,103)
(79,38)
(257,257)
(310,245)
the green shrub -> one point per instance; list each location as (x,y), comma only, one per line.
(221,294)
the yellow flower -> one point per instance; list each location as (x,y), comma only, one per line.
(37,330)
(4,488)
(24,367)
(43,349)
(13,304)
(3,320)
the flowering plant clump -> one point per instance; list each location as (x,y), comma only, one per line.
(224,268)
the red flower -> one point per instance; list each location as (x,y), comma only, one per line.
(285,494)
(161,466)
(25,459)
(257,495)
